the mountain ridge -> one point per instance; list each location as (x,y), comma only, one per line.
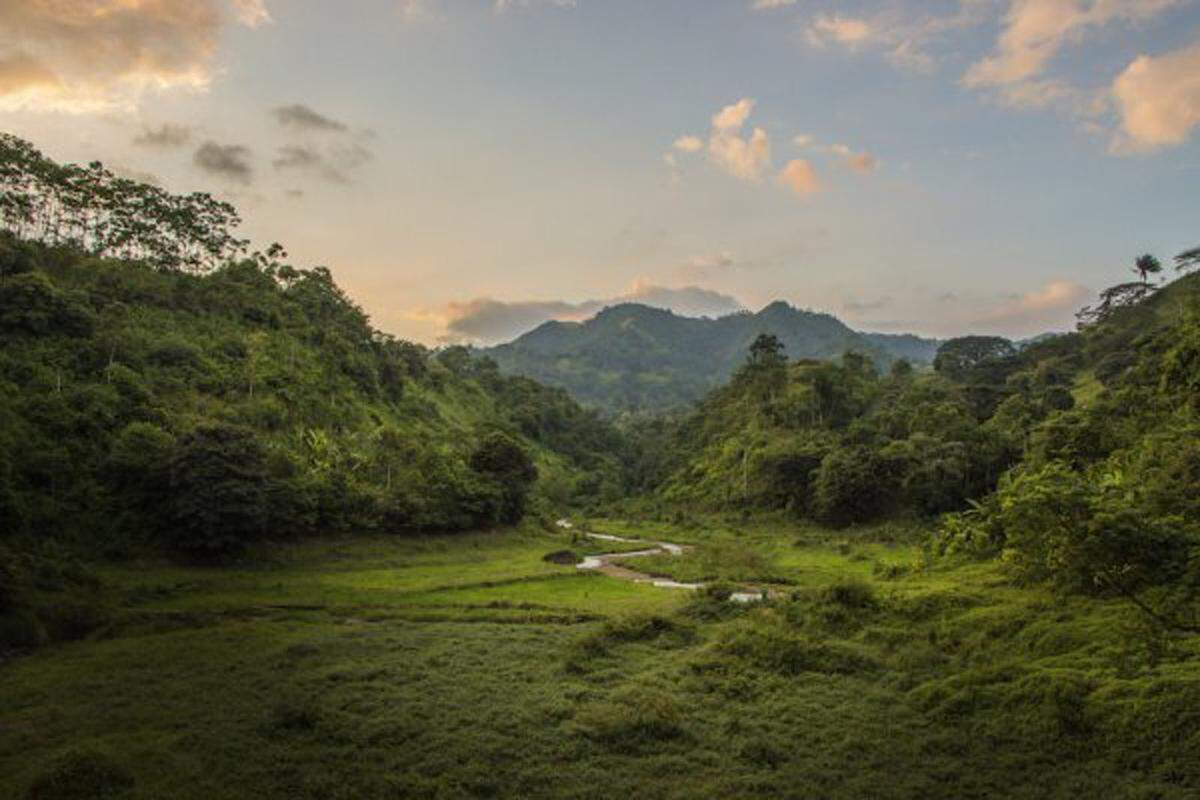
(635,357)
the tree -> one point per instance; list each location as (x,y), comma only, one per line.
(958,358)
(1147,265)
(767,351)
(1113,299)
(504,462)
(217,492)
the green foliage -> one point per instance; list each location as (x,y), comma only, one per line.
(502,461)
(853,484)
(217,490)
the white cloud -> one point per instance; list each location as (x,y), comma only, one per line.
(689,144)
(802,140)
(1158,100)
(800,177)
(764,5)
(743,158)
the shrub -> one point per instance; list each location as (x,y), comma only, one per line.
(217,479)
(854,484)
(778,650)
(503,461)
(634,719)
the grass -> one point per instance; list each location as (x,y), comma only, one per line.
(468,666)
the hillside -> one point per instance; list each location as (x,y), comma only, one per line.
(142,405)
(633,357)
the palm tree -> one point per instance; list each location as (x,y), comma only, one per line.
(1147,265)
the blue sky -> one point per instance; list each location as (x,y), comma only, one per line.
(468,168)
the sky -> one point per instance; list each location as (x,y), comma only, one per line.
(471,168)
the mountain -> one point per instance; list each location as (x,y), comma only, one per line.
(632,357)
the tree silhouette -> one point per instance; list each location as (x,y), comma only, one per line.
(91,209)
(1147,265)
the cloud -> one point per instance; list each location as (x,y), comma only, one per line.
(1158,100)
(689,144)
(900,32)
(1050,307)
(803,140)
(863,163)
(98,55)
(1035,31)
(487,320)
(332,164)
(251,13)
(301,117)
(228,161)
(763,5)
(800,176)
(164,136)
(743,158)
(850,31)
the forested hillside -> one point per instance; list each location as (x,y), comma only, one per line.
(158,384)
(1076,458)
(636,358)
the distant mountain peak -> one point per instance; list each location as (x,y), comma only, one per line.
(632,356)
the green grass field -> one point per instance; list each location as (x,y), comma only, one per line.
(468,666)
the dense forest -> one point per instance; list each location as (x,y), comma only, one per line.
(634,359)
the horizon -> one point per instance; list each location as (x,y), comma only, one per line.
(969,166)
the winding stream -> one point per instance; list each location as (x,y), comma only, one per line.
(606,564)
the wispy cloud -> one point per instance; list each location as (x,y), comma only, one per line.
(301,117)
(334,164)
(228,161)
(165,136)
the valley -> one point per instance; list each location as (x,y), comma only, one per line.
(372,667)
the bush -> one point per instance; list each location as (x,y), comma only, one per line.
(82,775)
(633,720)
(504,462)
(854,484)
(778,650)
(1082,532)
(217,483)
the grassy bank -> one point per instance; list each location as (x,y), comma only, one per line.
(471,667)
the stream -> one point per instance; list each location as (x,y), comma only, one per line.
(606,564)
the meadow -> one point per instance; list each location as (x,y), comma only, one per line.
(470,666)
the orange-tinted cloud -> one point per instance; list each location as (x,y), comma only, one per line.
(800,176)
(89,55)
(1158,99)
